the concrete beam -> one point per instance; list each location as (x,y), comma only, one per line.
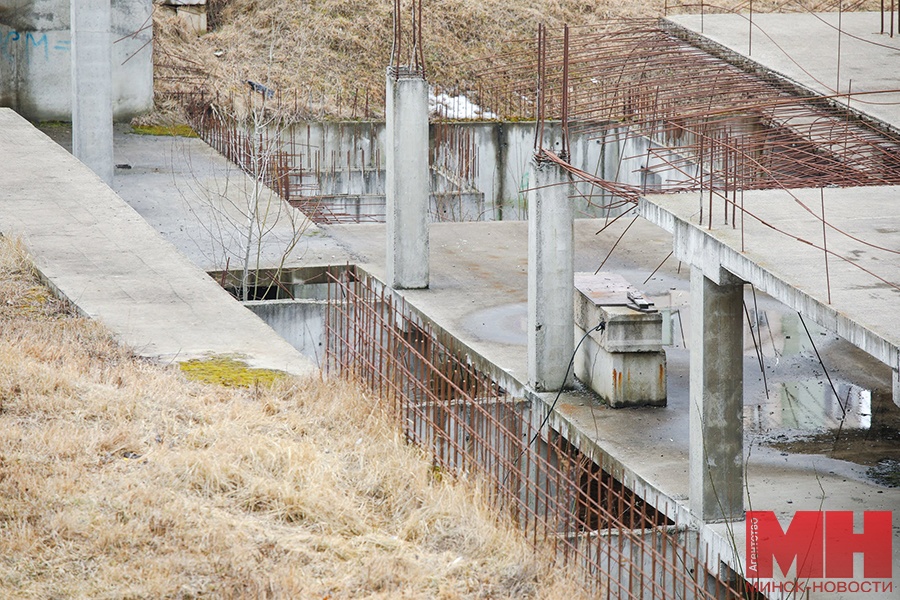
(696,246)
(551,278)
(716,397)
(407,180)
(92,120)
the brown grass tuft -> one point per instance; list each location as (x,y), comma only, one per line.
(120,478)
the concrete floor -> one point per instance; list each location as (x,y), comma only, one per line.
(196,199)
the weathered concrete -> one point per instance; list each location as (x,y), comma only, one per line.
(551,276)
(300,322)
(92,115)
(624,362)
(35,58)
(98,253)
(344,161)
(193,196)
(478,293)
(407,180)
(716,398)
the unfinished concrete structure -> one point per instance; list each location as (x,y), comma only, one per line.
(36,52)
(479,277)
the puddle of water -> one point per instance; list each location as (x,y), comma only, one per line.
(885,472)
(811,405)
(505,324)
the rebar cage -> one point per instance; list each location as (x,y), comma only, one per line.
(568,504)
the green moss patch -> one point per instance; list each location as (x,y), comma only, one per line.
(227,371)
(170,130)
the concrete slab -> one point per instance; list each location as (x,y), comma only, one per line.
(195,198)
(803,48)
(100,254)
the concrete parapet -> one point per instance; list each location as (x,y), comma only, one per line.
(624,363)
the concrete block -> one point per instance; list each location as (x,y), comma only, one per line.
(625,363)
(622,379)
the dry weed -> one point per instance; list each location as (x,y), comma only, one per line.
(121,479)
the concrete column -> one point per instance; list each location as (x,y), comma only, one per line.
(92,125)
(551,278)
(895,379)
(716,396)
(407,180)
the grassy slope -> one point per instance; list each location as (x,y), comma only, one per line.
(120,478)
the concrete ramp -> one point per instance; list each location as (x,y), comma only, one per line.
(98,253)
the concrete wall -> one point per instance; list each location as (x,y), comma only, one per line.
(35,58)
(348,158)
(300,322)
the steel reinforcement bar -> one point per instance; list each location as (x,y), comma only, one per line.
(569,508)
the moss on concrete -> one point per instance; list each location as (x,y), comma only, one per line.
(228,371)
(169,130)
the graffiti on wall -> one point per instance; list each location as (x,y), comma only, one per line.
(32,45)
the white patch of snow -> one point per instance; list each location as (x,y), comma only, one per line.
(456,107)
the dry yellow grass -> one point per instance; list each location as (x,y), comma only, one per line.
(121,479)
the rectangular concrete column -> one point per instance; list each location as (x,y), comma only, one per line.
(407,181)
(551,278)
(92,120)
(716,396)
(895,384)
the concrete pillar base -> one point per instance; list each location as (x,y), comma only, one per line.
(716,397)
(407,180)
(551,274)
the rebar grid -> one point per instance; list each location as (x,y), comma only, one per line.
(571,508)
(712,125)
